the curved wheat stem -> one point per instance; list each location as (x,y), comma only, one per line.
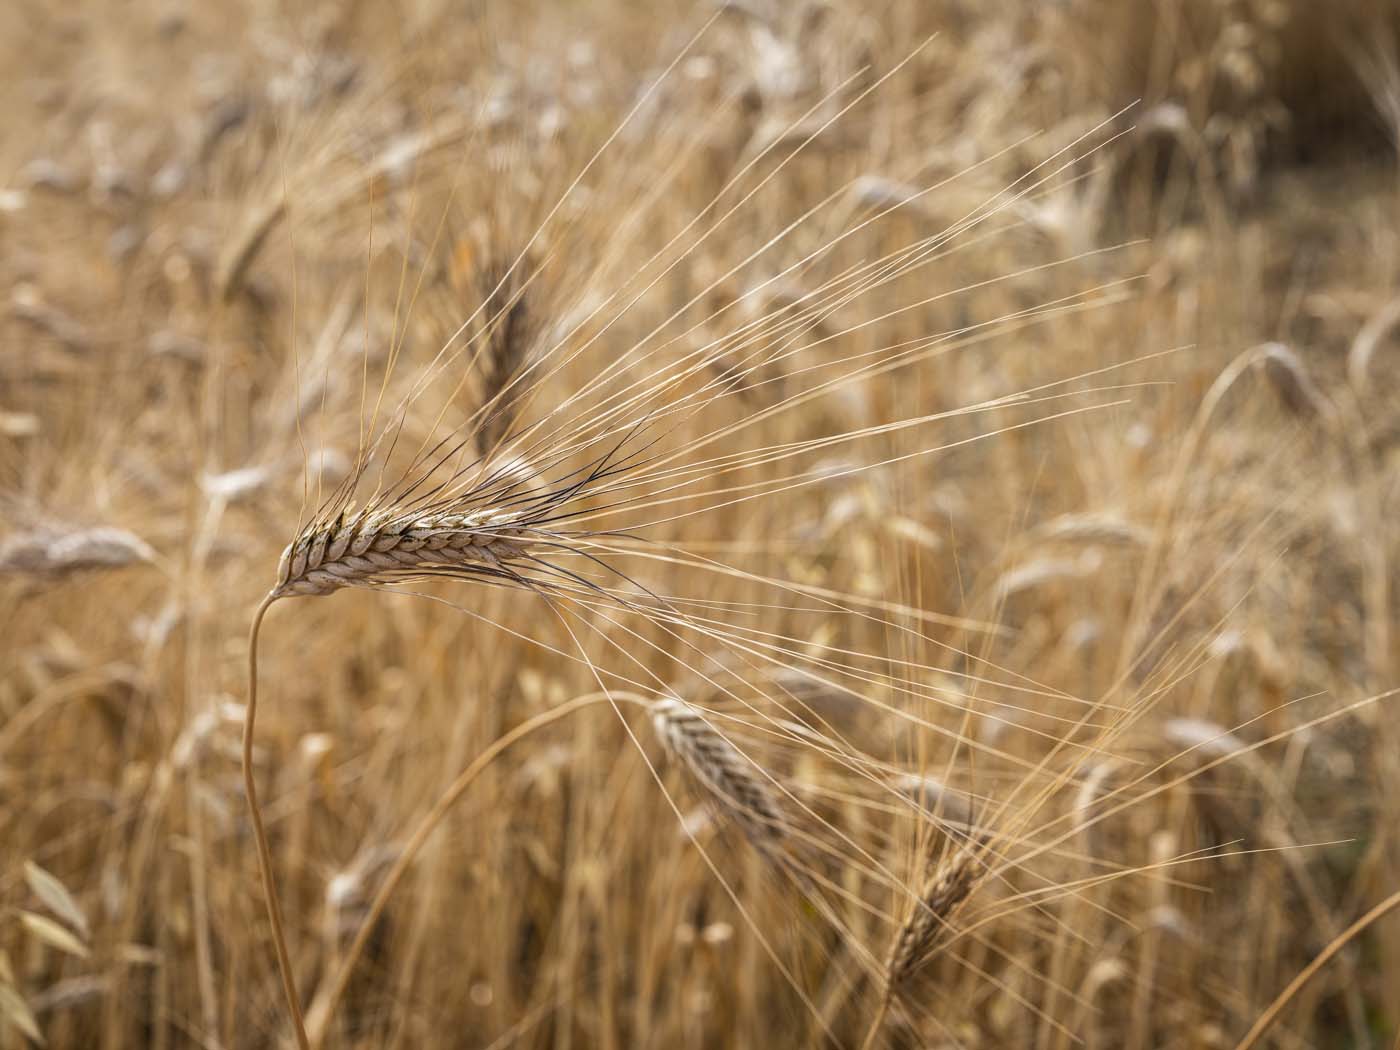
(274,910)
(1269,1016)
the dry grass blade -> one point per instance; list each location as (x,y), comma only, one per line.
(56,897)
(17,1012)
(49,932)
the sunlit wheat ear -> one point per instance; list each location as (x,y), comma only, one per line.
(730,780)
(928,927)
(949,884)
(365,548)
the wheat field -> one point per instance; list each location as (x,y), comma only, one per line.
(852,523)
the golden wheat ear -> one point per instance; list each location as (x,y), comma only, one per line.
(927,928)
(729,780)
(365,548)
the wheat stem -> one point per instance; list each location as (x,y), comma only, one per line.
(274,910)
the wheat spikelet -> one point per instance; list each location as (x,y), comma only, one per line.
(731,779)
(365,547)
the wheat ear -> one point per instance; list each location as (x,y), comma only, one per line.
(366,547)
(949,884)
(58,552)
(729,778)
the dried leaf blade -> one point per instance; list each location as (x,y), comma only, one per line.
(56,898)
(14,1009)
(52,934)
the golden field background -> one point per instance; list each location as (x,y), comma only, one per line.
(1175,228)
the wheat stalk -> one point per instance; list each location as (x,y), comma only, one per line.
(274,909)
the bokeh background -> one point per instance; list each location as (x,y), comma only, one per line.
(222,223)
